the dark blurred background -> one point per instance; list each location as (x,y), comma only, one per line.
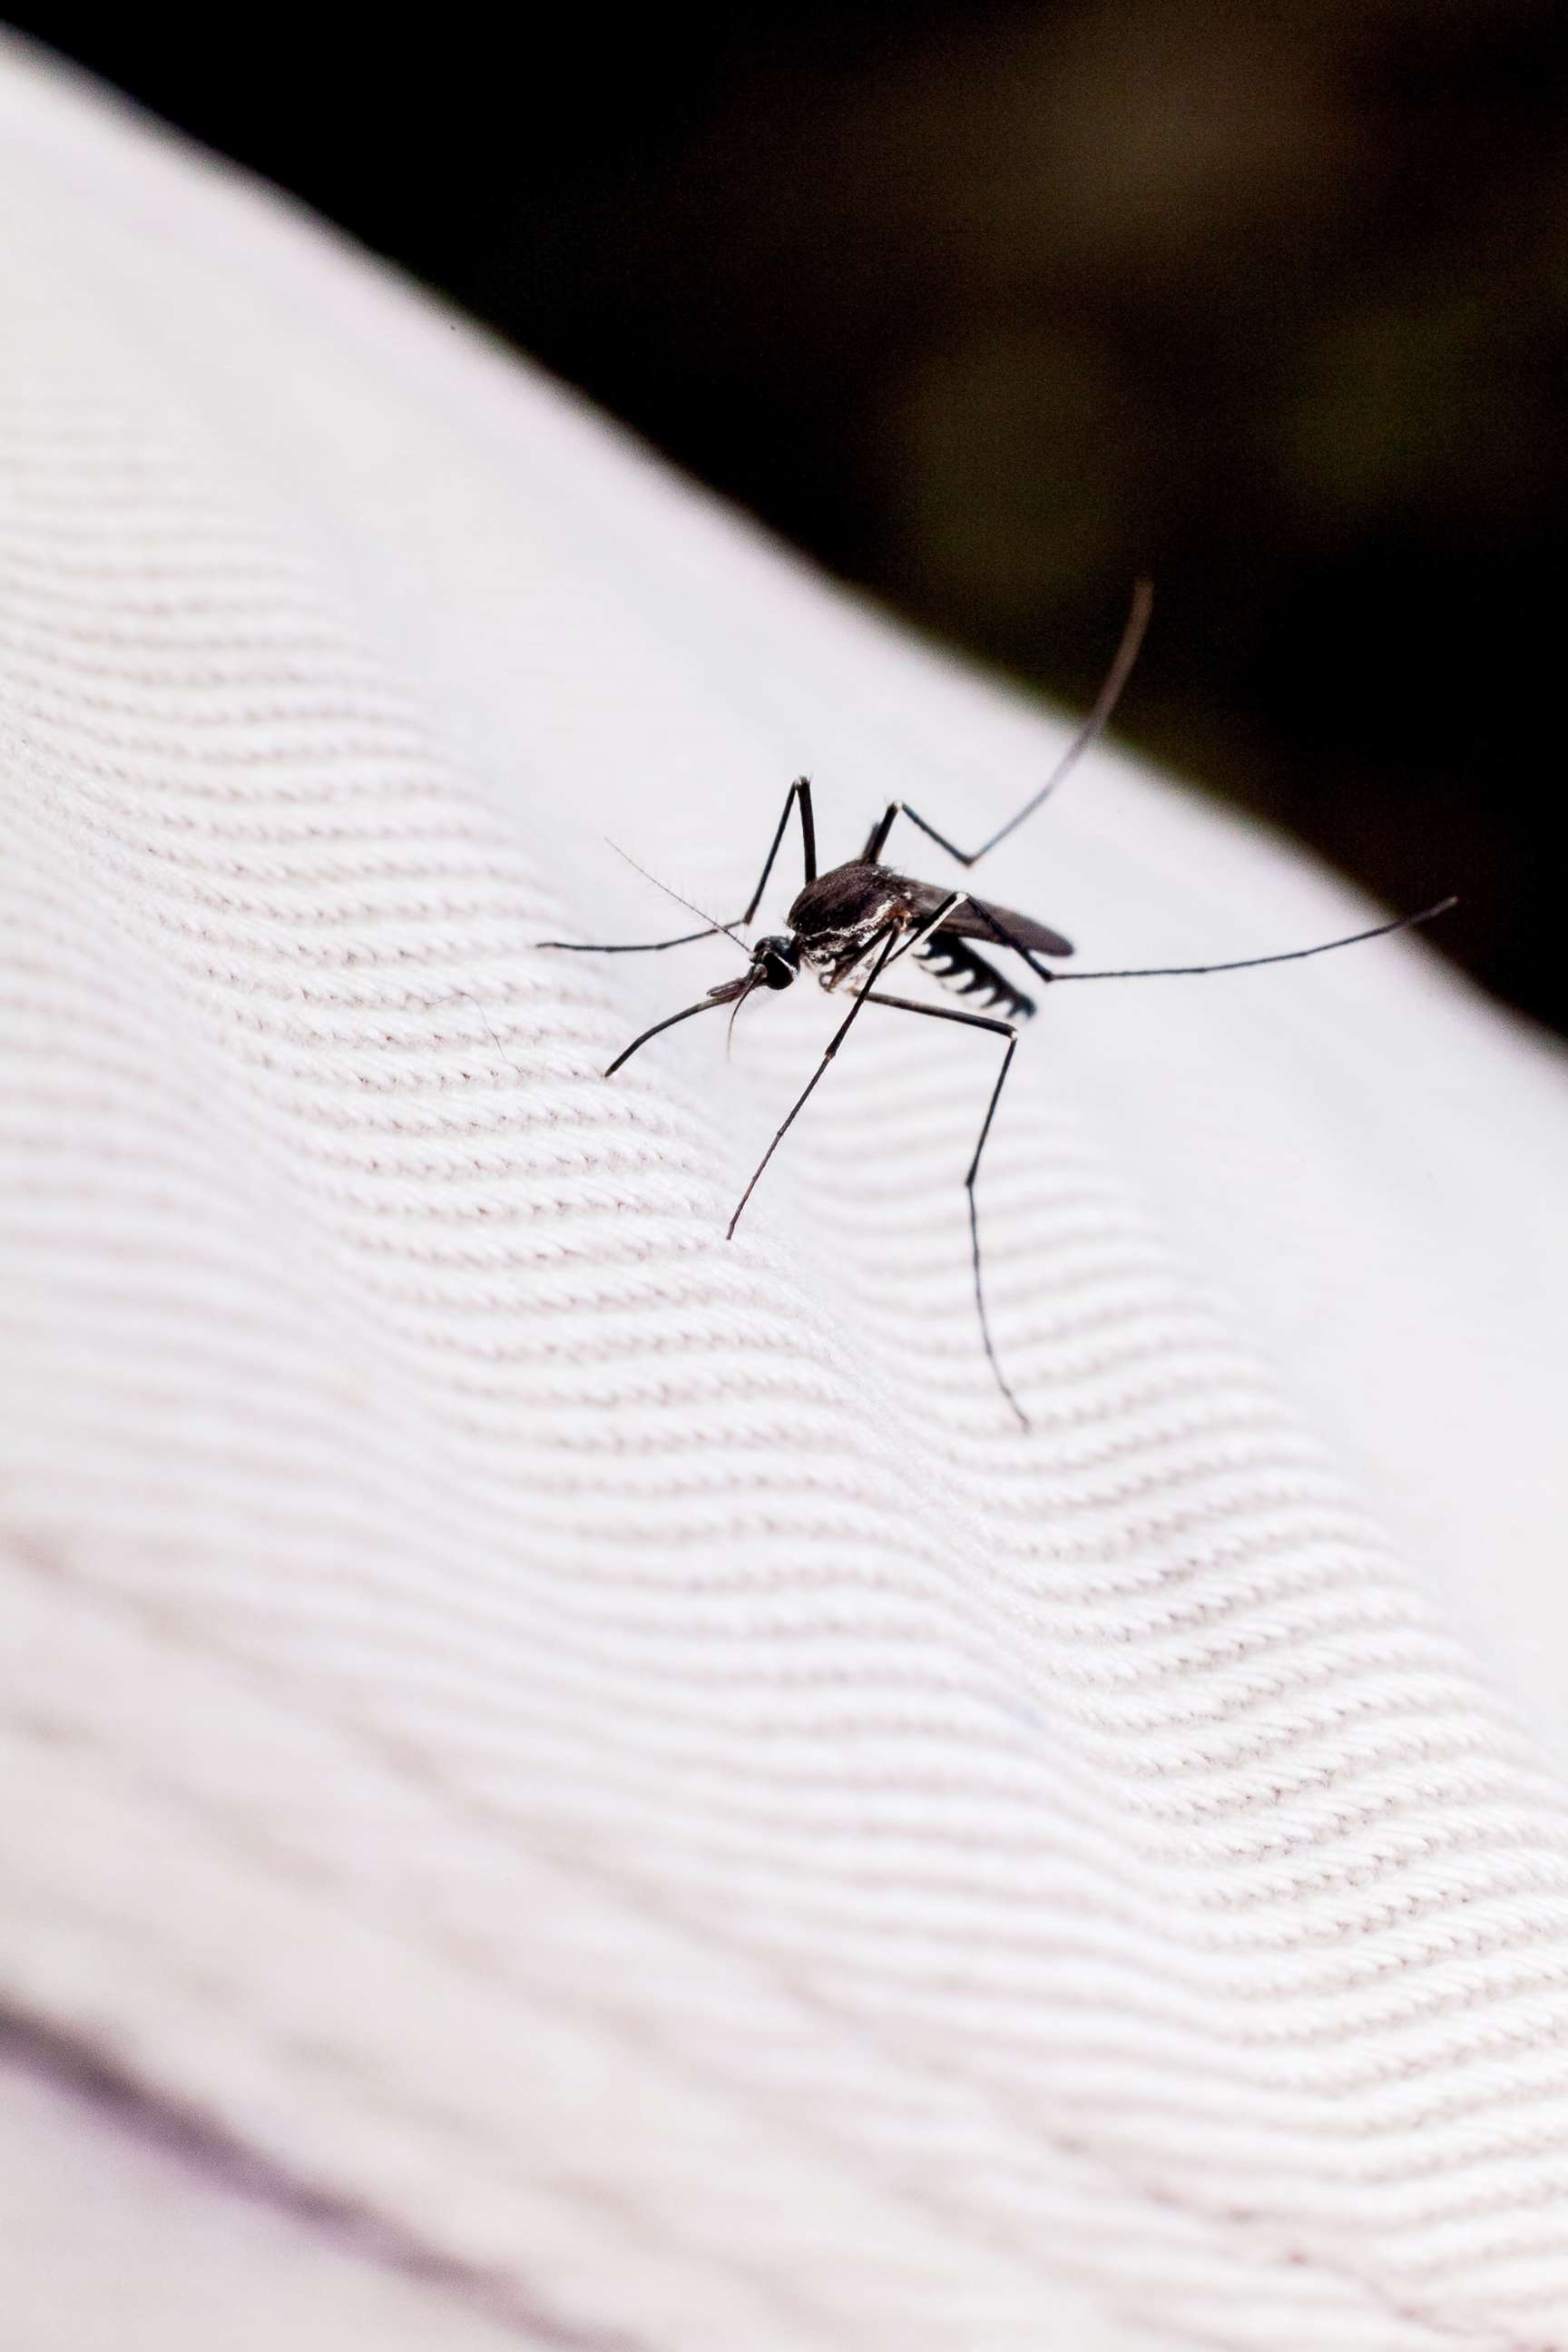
(993,307)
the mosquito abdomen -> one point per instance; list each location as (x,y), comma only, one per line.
(962,968)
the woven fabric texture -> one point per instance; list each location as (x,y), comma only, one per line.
(122,2235)
(605,1752)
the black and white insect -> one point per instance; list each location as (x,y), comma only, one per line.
(849,925)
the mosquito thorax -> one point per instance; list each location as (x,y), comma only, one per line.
(777,959)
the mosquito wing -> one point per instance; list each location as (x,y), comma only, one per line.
(979,918)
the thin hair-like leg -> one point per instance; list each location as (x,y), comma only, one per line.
(799,793)
(915,938)
(1251,963)
(1105,703)
(732,992)
(886,944)
(1006,937)
(1002,1029)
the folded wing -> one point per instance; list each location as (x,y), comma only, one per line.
(979,918)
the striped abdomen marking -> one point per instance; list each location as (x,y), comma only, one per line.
(963,968)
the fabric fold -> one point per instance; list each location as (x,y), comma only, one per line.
(604,1748)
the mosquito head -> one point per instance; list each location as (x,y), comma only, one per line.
(776,960)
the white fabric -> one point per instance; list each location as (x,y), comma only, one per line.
(606,1750)
(116,2241)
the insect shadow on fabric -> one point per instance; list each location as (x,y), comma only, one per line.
(848,926)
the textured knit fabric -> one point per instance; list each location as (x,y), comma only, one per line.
(121,2234)
(602,1751)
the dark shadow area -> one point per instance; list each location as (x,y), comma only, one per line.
(993,307)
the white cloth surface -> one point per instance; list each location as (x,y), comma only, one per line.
(115,2240)
(605,1750)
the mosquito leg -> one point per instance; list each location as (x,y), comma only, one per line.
(1002,1029)
(1004,938)
(1251,963)
(916,938)
(799,792)
(998,929)
(704,1004)
(887,945)
(1105,703)
(877,839)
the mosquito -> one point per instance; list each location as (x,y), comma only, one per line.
(849,925)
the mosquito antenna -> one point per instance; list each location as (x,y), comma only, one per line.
(690,905)
(1249,963)
(1110,695)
